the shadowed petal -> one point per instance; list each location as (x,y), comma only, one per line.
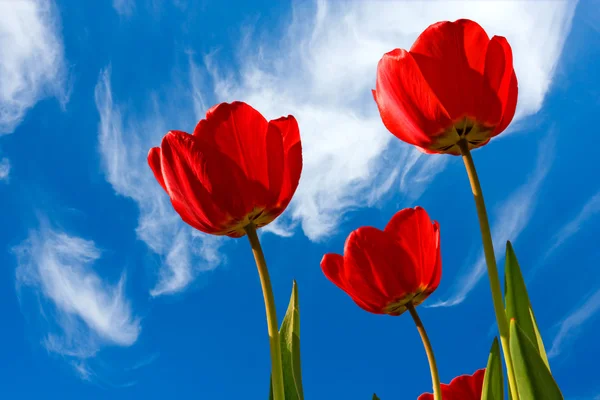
(181,165)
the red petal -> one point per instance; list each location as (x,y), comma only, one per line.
(462,40)
(451,57)
(292,163)
(377,268)
(414,229)
(182,163)
(436,274)
(498,73)
(332,266)
(510,105)
(154,163)
(408,107)
(464,387)
(239,133)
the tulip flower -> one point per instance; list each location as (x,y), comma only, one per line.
(391,271)
(383,271)
(454,84)
(237,172)
(452,92)
(237,168)
(464,387)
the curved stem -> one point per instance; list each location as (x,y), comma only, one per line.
(435,377)
(490,259)
(265,281)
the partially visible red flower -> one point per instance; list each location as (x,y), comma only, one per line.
(454,83)
(382,271)
(464,387)
(236,168)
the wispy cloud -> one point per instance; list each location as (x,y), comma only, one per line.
(124,7)
(32,64)
(145,361)
(510,220)
(124,142)
(82,312)
(590,209)
(322,70)
(572,324)
(4,169)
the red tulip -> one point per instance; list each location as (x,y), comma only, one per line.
(382,271)
(464,387)
(454,83)
(236,168)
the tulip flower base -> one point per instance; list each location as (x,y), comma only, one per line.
(451,92)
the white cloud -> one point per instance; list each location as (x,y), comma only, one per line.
(83,311)
(32,63)
(4,169)
(124,145)
(124,7)
(510,220)
(572,324)
(322,70)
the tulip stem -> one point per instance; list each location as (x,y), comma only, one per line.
(490,259)
(435,377)
(265,281)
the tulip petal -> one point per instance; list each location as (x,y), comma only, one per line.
(154,163)
(275,158)
(239,133)
(292,163)
(415,230)
(510,105)
(436,273)
(451,58)
(181,163)
(409,108)
(293,158)
(455,42)
(499,74)
(332,265)
(377,265)
(464,387)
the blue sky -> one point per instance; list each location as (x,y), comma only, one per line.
(107,294)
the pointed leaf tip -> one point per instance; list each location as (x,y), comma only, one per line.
(289,335)
(493,382)
(518,305)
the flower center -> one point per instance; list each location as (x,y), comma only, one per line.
(397,307)
(258,216)
(466,128)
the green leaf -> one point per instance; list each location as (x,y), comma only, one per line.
(289,337)
(534,380)
(493,383)
(375,397)
(518,305)
(538,340)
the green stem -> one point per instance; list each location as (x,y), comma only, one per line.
(435,377)
(265,281)
(490,259)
